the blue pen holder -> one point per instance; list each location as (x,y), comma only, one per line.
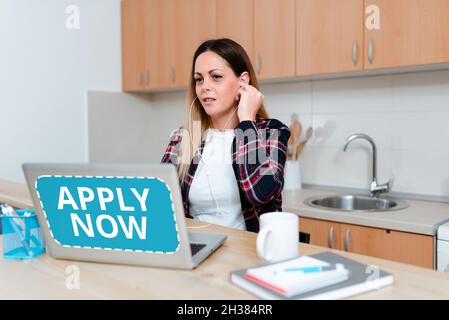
(22,236)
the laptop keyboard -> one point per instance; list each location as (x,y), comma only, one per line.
(196,247)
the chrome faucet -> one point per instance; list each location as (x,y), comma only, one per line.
(376,188)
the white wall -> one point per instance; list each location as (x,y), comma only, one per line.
(120,127)
(127,127)
(406,114)
(45,72)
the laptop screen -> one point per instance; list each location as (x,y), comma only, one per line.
(109,212)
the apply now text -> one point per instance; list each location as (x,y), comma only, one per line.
(102,196)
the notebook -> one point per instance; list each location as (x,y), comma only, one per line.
(360,278)
(297,275)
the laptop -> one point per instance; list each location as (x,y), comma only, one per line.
(188,249)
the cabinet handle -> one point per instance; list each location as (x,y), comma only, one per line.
(347,240)
(258,64)
(370,51)
(354,52)
(172,74)
(331,237)
(139,78)
(147,77)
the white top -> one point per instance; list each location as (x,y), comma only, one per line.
(214,194)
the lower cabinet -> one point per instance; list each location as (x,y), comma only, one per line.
(405,247)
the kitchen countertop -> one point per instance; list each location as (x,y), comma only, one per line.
(421,217)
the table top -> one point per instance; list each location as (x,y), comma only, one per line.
(47,278)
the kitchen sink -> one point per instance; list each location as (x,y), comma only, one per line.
(356,203)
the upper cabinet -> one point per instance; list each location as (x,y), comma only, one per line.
(265,29)
(237,25)
(283,38)
(410,32)
(191,23)
(145,44)
(159,38)
(157,45)
(274,38)
(329,36)
(133,45)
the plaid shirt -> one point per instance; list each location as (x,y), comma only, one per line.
(259,152)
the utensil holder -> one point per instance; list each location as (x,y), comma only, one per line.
(22,236)
(292,175)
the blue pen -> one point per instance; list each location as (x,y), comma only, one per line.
(310,269)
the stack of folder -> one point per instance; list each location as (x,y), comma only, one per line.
(321,276)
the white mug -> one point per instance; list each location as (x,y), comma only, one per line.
(278,238)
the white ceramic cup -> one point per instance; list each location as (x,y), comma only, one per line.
(278,238)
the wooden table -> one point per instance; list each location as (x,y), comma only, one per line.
(48,278)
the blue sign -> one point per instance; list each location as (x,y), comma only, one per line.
(111,213)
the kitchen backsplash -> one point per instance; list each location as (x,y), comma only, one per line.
(407,115)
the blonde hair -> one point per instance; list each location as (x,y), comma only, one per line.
(239,62)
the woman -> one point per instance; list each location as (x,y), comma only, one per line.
(230,157)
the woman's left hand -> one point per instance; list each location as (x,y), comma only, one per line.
(250,101)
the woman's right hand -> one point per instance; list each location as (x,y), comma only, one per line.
(250,100)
